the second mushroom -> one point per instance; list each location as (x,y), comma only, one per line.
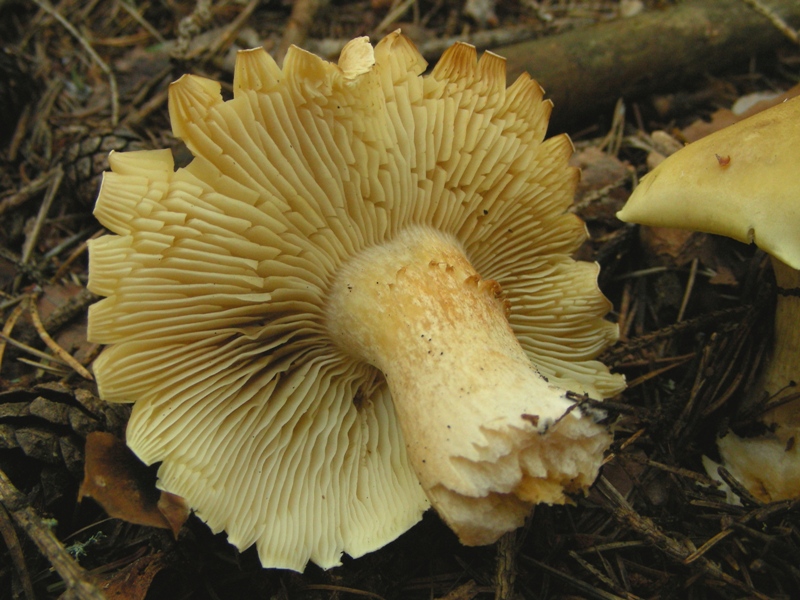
(357,300)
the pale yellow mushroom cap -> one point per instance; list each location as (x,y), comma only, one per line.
(217,278)
(741,182)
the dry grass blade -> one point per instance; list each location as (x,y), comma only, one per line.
(33,351)
(45,367)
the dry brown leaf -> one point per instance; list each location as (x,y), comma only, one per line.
(598,170)
(121,484)
(671,247)
(724,117)
(134,581)
(174,509)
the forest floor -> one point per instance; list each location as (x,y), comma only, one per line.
(80,78)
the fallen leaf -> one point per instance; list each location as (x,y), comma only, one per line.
(133,581)
(671,247)
(724,117)
(123,486)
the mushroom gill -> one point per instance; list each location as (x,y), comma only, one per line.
(275,308)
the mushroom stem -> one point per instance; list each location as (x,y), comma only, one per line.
(487,434)
(769,465)
(783,367)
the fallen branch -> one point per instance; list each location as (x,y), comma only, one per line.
(586,71)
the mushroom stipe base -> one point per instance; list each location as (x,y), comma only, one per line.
(485,431)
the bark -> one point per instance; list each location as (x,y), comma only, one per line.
(585,71)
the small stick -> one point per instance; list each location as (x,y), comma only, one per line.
(624,514)
(228,34)
(393,16)
(8,327)
(15,550)
(776,20)
(26,192)
(136,15)
(51,343)
(506,566)
(19,134)
(688,292)
(70,309)
(30,241)
(64,267)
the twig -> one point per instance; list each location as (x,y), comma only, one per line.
(30,240)
(688,292)
(19,134)
(8,327)
(392,16)
(112,80)
(136,15)
(437,6)
(577,583)
(613,140)
(229,33)
(340,588)
(136,117)
(51,343)
(25,193)
(74,576)
(656,372)
(614,355)
(776,20)
(601,576)
(15,550)
(78,251)
(624,514)
(506,566)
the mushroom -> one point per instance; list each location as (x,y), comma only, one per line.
(356,300)
(741,182)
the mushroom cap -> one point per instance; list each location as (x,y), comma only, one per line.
(766,466)
(740,182)
(216,279)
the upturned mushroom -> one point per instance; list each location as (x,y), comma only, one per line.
(357,300)
(742,182)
